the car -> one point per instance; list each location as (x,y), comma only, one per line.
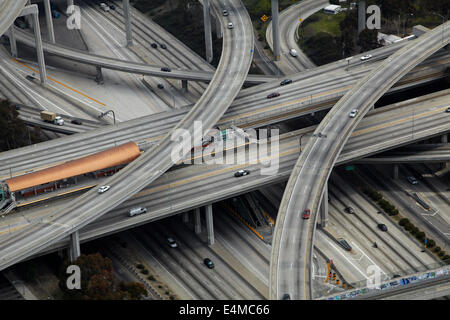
(230,25)
(208,263)
(286,296)
(349,210)
(30,78)
(163,46)
(293,52)
(285,82)
(412,180)
(17,107)
(76,121)
(154,45)
(104,6)
(166,69)
(447,110)
(382,227)
(273,95)
(112,7)
(103,189)
(353,113)
(172,243)
(160,86)
(241,173)
(225,12)
(366,57)
(306,213)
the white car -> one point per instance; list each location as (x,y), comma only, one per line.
(366,57)
(293,52)
(353,113)
(104,6)
(172,243)
(103,189)
(230,25)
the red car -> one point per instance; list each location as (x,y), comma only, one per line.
(306,214)
(273,95)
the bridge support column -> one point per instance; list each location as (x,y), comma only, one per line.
(324,208)
(275,31)
(69,3)
(361,15)
(48,17)
(99,76)
(184,85)
(218,29)
(29,19)
(185,217)
(444,138)
(12,41)
(74,250)
(209,224)
(126,15)
(197,221)
(207,27)
(395,172)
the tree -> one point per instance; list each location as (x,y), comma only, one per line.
(368,40)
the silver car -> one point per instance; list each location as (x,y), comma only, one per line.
(353,113)
(103,189)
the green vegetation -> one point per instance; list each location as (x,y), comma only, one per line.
(384,204)
(97,281)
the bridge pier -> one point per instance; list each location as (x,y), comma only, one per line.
(69,3)
(444,138)
(218,28)
(275,31)
(395,172)
(361,15)
(99,76)
(12,41)
(48,17)
(185,217)
(74,249)
(324,207)
(207,27)
(184,85)
(197,221)
(126,15)
(209,224)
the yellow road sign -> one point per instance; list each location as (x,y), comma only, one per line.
(300,19)
(264,18)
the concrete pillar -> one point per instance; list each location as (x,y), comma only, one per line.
(361,15)
(208,35)
(185,217)
(197,221)
(39,51)
(444,138)
(218,29)
(28,19)
(12,41)
(275,31)
(74,249)
(48,17)
(209,224)
(324,208)
(395,173)
(69,3)
(184,85)
(99,76)
(126,14)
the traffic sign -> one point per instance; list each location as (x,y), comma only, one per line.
(264,18)
(300,19)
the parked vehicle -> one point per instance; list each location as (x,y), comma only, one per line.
(51,117)
(103,189)
(136,211)
(208,263)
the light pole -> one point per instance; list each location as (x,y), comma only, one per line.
(443,20)
(404,22)
(105,113)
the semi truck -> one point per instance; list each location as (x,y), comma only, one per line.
(51,117)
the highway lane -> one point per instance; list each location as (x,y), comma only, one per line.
(294,237)
(231,73)
(190,187)
(422,153)
(289,23)
(300,98)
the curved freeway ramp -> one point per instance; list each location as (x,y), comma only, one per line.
(290,265)
(9,11)
(289,23)
(231,73)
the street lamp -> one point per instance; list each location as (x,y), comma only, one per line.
(404,22)
(105,113)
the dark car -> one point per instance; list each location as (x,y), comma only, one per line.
(285,82)
(208,263)
(112,7)
(447,110)
(286,296)
(76,121)
(349,210)
(163,46)
(154,45)
(241,173)
(160,86)
(166,69)
(306,213)
(17,107)
(382,227)
(273,95)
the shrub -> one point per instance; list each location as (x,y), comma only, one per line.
(437,249)
(172,298)
(139,266)
(151,278)
(430,243)
(403,222)
(144,271)
(441,254)
(446,257)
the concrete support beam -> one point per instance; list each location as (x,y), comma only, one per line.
(275,31)
(197,221)
(209,224)
(99,76)
(324,208)
(361,15)
(185,217)
(12,41)
(28,19)
(218,28)
(69,3)
(207,27)
(74,250)
(444,138)
(395,172)
(126,14)
(184,85)
(48,17)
